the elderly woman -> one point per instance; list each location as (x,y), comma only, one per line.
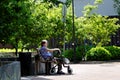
(47,53)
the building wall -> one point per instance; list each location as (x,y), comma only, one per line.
(106,8)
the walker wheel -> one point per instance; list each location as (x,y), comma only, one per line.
(70,71)
(53,70)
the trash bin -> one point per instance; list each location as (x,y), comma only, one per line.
(25,63)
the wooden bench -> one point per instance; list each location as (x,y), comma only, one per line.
(39,59)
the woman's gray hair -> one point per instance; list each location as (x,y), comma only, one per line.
(43,42)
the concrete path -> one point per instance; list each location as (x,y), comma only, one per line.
(101,71)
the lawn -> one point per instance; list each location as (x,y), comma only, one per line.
(11,50)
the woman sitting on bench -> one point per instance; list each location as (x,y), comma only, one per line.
(47,54)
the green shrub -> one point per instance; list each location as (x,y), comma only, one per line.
(10,50)
(83,49)
(80,52)
(70,55)
(98,54)
(115,52)
(79,55)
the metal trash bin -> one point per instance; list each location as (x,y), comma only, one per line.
(25,63)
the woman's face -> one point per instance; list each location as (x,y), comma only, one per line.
(46,44)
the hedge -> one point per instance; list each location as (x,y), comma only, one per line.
(80,52)
(98,54)
(115,52)
(94,53)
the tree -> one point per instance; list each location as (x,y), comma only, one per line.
(55,22)
(55,2)
(95,27)
(13,14)
(23,21)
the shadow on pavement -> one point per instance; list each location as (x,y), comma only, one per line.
(98,62)
(34,78)
(40,77)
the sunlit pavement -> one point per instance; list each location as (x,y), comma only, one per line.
(100,71)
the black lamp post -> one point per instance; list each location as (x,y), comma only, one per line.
(73,37)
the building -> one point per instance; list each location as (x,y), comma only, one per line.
(105,9)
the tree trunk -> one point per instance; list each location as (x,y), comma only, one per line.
(16,47)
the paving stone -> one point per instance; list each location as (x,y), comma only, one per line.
(101,71)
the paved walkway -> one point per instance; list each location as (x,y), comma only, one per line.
(101,71)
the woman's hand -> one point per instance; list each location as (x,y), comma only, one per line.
(57,49)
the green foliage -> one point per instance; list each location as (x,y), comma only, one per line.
(115,52)
(55,2)
(15,19)
(79,55)
(95,27)
(54,17)
(82,49)
(99,54)
(69,54)
(10,50)
(24,22)
(27,22)
(80,52)
(55,22)
(68,27)
(94,54)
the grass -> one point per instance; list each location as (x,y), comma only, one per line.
(11,50)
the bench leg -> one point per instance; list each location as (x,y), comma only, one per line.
(48,67)
(37,66)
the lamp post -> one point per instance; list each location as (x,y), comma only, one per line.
(64,11)
(73,26)
(73,37)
